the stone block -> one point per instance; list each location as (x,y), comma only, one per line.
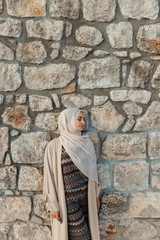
(4,229)
(40,206)
(155,82)
(99,100)
(6,53)
(75,53)
(8,177)
(10,27)
(3,142)
(104,175)
(153,145)
(132,108)
(76,100)
(48,121)
(40,103)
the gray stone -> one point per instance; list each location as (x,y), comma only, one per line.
(140,74)
(40,103)
(17,117)
(9,98)
(88,35)
(4,229)
(129,124)
(55,52)
(6,53)
(104,176)
(120,53)
(70,88)
(23,8)
(8,177)
(124,146)
(139,9)
(68,30)
(21,98)
(151,119)
(156,58)
(106,118)
(10,77)
(101,10)
(1,6)
(155,82)
(48,77)
(35,219)
(75,53)
(155,169)
(131,176)
(1,99)
(3,142)
(30,179)
(15,208)
(76,100)
(99,100)
(64,8)
(153,145)
(134,55)
(45,28)
(96,142)
(138,96)
(28,231)
(8,160)
(9,193)
(140,230)
(31,52)
(48,121)
(112,204)
(124,72)
(145,205)
(40,206)
(132,108)
(99,73)
(120,35)
(29,148)
(14,133)
(155,182)
(10,27)
(100,53)
(148,38)
(56,100)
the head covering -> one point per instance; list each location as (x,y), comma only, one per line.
(79,147)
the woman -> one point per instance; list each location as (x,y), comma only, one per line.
(70,181)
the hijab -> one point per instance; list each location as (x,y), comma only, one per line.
(79,147)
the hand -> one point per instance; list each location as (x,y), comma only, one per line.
(55,215)
(98,203)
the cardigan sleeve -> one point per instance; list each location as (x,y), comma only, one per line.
(49,189)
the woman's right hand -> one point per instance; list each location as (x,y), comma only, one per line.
(55,215)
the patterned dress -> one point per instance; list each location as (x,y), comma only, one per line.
(76,187)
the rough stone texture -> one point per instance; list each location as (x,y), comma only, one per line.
(40,206)
(148,38)
(131,176)
(155,82)
(45,28)
(55,51)
(17,117)
(48,77)
(155,169)
(145,205)
(30,179)
(100,53)
(129,124)
(112,204)
(6,53)
(104,175)
(96,141)
(151,119)
(99,73)
(71,88)
(48,121)
(8,160)
(28,231)
(14,133)
(9,98)
(153,146)
(8,177)
(10,77)
(21,98)
(31,52)
(101,10)
(64,8)
(1,99)
(68,30)
(56,100)
(10,27)
(75,53)
(106,118)
(76,100)
(40,103)
(134,55)
(140,230)
(1,6)
(15,208)
(4,229)
(120,53)
(88,35)
(29,148)
(140,74)
(155,182)
(23,8)
(120,35)
(99,100)
(139,9)
(124,146)
(35,219)
(139,96)
(3,142)
(132,108)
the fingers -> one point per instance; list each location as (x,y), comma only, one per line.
(55,215)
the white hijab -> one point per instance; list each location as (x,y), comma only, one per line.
(79,147)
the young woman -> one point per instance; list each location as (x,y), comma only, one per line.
(70,181)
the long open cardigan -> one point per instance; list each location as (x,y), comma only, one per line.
(53,192)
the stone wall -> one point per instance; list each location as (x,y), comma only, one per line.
(103,57)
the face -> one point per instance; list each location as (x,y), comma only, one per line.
(80,121)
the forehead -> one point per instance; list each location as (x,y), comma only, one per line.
(81,114)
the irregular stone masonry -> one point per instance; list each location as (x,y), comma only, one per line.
(100,56)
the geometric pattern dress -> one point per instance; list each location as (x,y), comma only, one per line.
(76,192)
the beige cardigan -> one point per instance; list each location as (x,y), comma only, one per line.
(53,192)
